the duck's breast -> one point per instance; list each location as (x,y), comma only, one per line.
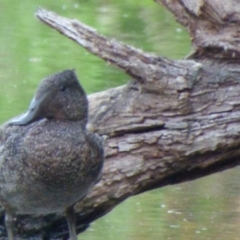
(47,165)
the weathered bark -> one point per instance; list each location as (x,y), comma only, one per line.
(175,121)
(213,26)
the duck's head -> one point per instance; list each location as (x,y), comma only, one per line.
(59,96)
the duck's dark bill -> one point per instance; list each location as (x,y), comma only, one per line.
(33,114)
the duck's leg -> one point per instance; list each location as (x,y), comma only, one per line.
(9,222)
(71,220)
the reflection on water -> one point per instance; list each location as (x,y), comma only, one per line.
(204,209)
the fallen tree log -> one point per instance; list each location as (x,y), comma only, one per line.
(174,121)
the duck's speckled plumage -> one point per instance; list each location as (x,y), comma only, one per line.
(49,161)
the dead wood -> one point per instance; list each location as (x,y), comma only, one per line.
(174,121)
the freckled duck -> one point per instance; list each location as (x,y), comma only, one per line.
(48,159)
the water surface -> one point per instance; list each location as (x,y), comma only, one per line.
(204,209)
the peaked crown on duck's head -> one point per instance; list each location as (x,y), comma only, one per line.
(59,96)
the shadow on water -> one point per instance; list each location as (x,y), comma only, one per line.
(207,208)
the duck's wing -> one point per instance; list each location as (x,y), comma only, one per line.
(96,155)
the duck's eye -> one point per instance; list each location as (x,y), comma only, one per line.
(63,88)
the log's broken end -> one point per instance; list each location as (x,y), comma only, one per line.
(213,26)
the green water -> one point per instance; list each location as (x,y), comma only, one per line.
(208,208)
(205,209)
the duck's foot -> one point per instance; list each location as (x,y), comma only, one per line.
(71,220)
(9,222)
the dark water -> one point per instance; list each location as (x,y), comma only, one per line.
(208,208)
